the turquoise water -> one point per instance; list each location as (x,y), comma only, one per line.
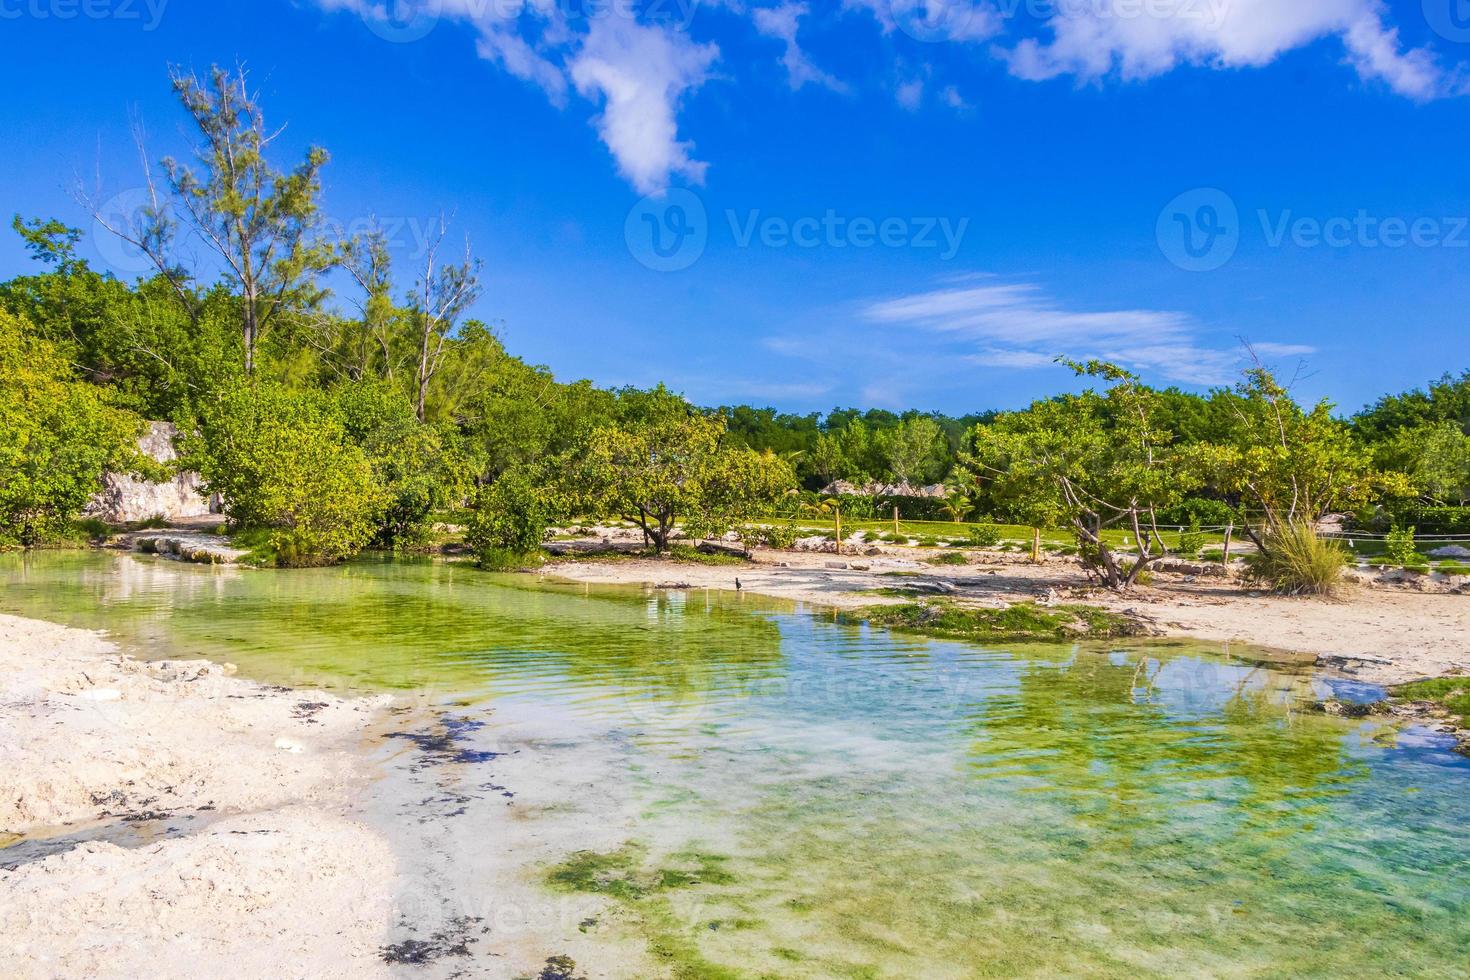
(858,803)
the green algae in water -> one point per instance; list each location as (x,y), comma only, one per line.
(830,799)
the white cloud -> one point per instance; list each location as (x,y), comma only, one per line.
(910,94)
(642,73)
(782,22)
(1137,39)
(638,72)
(1017,326)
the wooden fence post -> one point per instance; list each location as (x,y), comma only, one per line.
(1229,530)
(839,530)
(1036,545)
(895,522)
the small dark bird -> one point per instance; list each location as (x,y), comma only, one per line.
(738,586)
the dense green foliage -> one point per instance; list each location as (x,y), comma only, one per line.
(1094,462)
(510,520)
(663,462)
(57,435)
(283,462)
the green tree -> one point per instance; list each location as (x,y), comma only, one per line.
(57,436)
(285,465)
(1435,457)
(510,519)
(917,450)
(665,462)
(1095,461)
(420,467)
(257,220)
(1287,466)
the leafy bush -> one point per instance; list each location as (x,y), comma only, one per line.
(953,558)
(1438,520)
(57,437)
(419,466)
(285,466)
(93,529)
(928,542)
(985,535)
(1298,561)
(779,537)
(1398,546)
(1198,510)
(509,522)
(1192,540)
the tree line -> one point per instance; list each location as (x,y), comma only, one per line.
(336,401)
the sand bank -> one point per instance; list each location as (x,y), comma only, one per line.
(211,815)
(1381,634)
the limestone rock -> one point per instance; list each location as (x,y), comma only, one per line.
(123,498)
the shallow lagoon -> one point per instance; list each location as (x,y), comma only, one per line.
(797,797)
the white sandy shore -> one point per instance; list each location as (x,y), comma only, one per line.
(1380,634)
(260,873)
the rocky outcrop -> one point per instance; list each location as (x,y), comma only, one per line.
(124,499)
(183,545)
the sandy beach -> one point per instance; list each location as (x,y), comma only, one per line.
(259,866)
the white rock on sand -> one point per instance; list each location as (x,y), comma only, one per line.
(277,881)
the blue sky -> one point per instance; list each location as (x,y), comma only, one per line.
(890,203)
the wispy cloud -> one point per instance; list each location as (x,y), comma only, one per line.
(1017,326)
(782,22)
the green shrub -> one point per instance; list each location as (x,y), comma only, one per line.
(928,542)
(93,529)
(510,520)
(419,466)
(57,437)
(1398,546)
(1192,540)
(1299,561)
(285,466)
(953,558)
(779,537)
(985,535)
